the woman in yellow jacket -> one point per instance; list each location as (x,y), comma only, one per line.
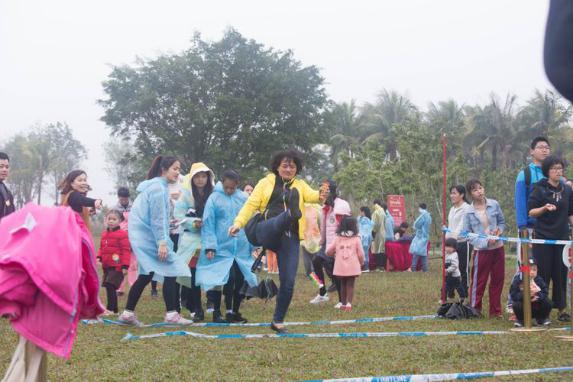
(280,197)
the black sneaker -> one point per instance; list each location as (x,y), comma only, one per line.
(544,322)
(154,293)
(564,317)
(199,316)
(218,318)
(293,199)
(518,324)
(239,319)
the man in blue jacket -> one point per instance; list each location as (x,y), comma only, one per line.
(540,149)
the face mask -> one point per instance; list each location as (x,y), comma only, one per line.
(421,210)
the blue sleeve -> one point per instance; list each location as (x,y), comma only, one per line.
(520,201)
(501,218)
(181,207)
(209,229)
(159,215)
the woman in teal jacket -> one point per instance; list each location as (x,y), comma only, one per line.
(419,246)
(219,250)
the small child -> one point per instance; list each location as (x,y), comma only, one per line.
(540,303)
(453,275)
(114,254)
(348,259)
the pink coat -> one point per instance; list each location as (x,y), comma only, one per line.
(48,278)
(348,255)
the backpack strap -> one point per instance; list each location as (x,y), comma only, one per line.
(527,175)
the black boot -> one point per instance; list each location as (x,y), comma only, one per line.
(218,317)
(292,201)
(199,315)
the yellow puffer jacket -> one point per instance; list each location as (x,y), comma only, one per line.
(262,194)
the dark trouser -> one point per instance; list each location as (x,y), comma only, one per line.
(307,261)
(381,260)
(539,309)
(346,289)
(169,292)
(464,250)
(214,298)
(558,52)
(274,234)
(320,264)
(550,267)
(232,290)
(194,294)
(154,285)
(111,298)
(453,284)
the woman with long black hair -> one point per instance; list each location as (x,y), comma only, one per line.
(455,225)
(148,229)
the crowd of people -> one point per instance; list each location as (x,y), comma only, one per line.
(197,233)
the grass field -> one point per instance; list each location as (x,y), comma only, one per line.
(99,355)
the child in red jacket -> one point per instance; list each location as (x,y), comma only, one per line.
(114,254)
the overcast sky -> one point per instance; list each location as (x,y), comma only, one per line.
(55,54)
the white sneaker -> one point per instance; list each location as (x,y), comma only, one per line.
(366,271)
(318,299)
(338,306)
(175,318)
(129,318)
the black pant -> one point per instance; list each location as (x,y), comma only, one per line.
(319,263)
(232,290)
(558,52)
(169,292)
(381,260)
(453,284)
(539,309)
(550,267)
(111,298)
(464,250)
(214,298)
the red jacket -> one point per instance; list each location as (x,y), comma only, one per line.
(114,249)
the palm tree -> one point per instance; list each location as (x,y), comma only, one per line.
(345,125)
(390,108)
(492,129)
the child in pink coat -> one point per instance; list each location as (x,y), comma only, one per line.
(348,258)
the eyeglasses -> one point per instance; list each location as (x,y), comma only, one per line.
(543,147)
(556,168)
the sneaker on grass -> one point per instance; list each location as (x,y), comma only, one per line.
(318,299)
(338,306)
(129,318)
(176,318)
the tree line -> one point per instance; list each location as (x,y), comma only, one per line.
(233,102)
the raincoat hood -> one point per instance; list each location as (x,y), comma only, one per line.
(150,182)
(196,168)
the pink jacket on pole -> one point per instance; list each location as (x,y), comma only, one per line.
(48,278)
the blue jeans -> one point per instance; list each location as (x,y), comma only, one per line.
(423,259)
(274,234)
(365,249)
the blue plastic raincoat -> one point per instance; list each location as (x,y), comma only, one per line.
(419,244)
(389,226)
(148,226)
(220,212)
(190,237)
(365,228)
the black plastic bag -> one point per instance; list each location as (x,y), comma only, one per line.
(457,311)
(267,289)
